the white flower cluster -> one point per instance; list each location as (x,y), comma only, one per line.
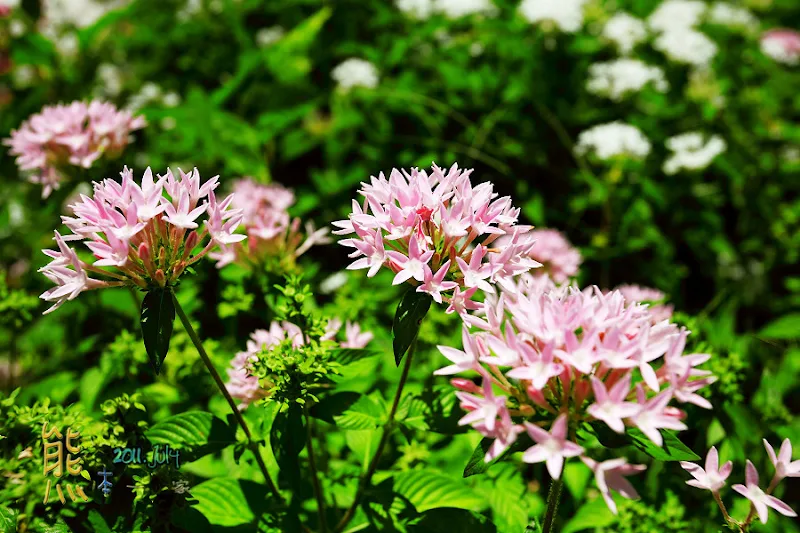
(726,14)
(566,15)
(355,72)
(60,14)
(675,20)
(625,31)
(152,93)
(692,152)
(618,78)
(423,9)
(782,45)
(613,139)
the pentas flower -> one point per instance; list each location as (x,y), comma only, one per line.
(272,234)
(61,137)
(142,235)
(610,475)
(713,478)
(782,45)
(784,466)
(653,297)
(246,387)
(438,232)
(555,358)
(559,259)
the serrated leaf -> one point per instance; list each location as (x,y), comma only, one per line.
(157,318)
(432,490)
(413,413)
(591,515)
(478,465)
(333,405)
(444,411)
(365,413)
(407,319)
(786,327)
(225,501)
(345,356)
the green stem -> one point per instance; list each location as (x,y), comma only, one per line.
(312,464)
(365,480)
(552,505)
(221,386)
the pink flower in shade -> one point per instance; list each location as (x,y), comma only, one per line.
(426,220)
(784,466)
(434,284)
(758,497)
(73,135)
(246,387)
(559,259)
(139,236)
(505,433)
(355,338)
(653,297)
(712,477)
(610,405)
(272,234)
(461,302)
(551,448)
(653,415)
(610,475)
(782,45)
(222,222)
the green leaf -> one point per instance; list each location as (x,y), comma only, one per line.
(98,523)
(432,490)
(591,515)
(333,405)
(8,520)
(288,438)
(345,356)
(444,410)
(673,449)
(413,413)
(477,464)
(365,413)
(157,317)
(407,319)
(229,502)
(195,433)
(786,327)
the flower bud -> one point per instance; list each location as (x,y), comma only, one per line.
(191,242)
(162,254)
(465,385)
(160,278)
(144,252)
(526,410)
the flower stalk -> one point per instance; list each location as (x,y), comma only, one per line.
(553,499)
(221,386)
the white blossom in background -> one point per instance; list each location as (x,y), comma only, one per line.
(625,31)
(58,14)
(462,8)
(17,28)
(613,139)
(782,45)
(567,15)
(355,72)
(420,9)
(691,151)
(333,283)
(171,99)
(615,79)
(190,9)
(686,46)
(109,77)
(727,14)
(10,3)
(674,15)
(268,36)
(68,45)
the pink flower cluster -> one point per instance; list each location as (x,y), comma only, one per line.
(271,232)
(70,135)
(712,478)
(652,297)
(439,233)
(559,259)
(141,235)
(560,357)
(246,388)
